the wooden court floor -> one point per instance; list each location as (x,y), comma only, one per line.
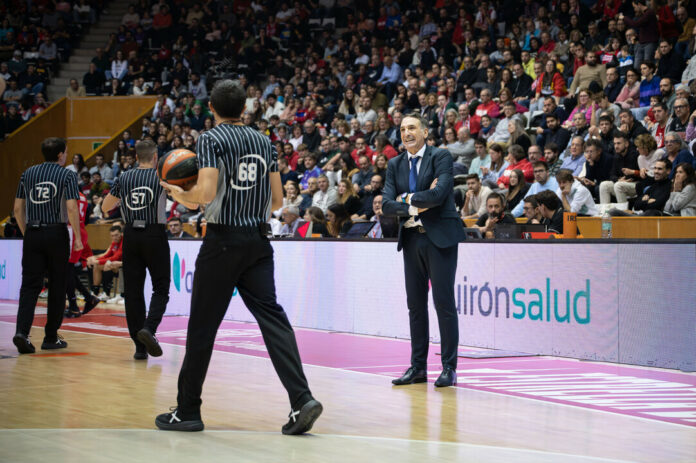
(96,404)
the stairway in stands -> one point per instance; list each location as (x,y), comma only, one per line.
(98,36)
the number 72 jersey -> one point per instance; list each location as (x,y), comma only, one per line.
(46,187)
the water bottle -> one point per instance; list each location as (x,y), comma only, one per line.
(606,225)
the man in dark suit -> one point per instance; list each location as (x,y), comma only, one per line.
(419,190)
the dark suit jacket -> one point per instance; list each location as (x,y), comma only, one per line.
(441,221)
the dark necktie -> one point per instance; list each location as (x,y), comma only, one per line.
(413,176)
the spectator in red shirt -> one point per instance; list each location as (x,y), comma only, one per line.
(486,107)
(291,155)
(383,146)
(162,22)
(361,148)
(106,264)
(517,159)
(547,45)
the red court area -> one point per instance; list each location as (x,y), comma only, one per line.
(646,393)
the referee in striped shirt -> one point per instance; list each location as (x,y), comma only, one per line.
(46,197)
(145,247)
(240,182)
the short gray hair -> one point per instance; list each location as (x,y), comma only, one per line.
(294,210)
(678,137)
(421,120)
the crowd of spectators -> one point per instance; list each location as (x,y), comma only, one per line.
(35,37)
(592,100)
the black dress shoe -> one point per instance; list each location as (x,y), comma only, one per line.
(448,377)
(412,376)
(140,355)
(59,343)
(146,337)
(89,305)
(71,313)
(24,345)
(301,421)
(171,422)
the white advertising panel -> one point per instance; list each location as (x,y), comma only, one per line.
(10,268)
(620,302)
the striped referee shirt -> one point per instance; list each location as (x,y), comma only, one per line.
(142,197)
(244,158)
(46,187)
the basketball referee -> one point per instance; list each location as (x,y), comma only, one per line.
(239,179)
(145,247)
(46,197)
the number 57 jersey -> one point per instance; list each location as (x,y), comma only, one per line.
(244,159)
(142,197)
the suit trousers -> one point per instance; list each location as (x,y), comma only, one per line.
(145,249)
(424,262)
(241,259)
(45,251)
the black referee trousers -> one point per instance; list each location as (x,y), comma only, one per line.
(244,260)
(145,249)
(45,251)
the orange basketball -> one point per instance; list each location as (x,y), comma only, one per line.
(179,167)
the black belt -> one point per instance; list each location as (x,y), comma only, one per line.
(417,229)
(262,228)
(146,226)
(39,224)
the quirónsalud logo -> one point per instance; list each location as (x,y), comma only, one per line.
(549,303)
(180,277)
(183,280)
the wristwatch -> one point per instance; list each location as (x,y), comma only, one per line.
(403,197)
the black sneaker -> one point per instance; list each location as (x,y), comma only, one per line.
(57,344)
(140,355)
(301,420)
(150,341)
(71,313)
(89,305)
(24,345)
(171,422)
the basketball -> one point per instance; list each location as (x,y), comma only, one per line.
(179,167)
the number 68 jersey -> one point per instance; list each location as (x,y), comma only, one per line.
(46,187)
(244,158)
(142,197)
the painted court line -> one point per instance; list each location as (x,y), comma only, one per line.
(270,434)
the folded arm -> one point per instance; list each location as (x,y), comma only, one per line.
(433,197)
(390,206)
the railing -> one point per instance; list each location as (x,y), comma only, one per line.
(590,228)
(633,227)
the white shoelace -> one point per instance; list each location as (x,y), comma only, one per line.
(293,414)
(174,417)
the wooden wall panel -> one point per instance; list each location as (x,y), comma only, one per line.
(81,121)
(22,149)
(99,119)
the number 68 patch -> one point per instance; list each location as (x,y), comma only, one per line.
(250,168)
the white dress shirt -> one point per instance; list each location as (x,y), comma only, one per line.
(413,210)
